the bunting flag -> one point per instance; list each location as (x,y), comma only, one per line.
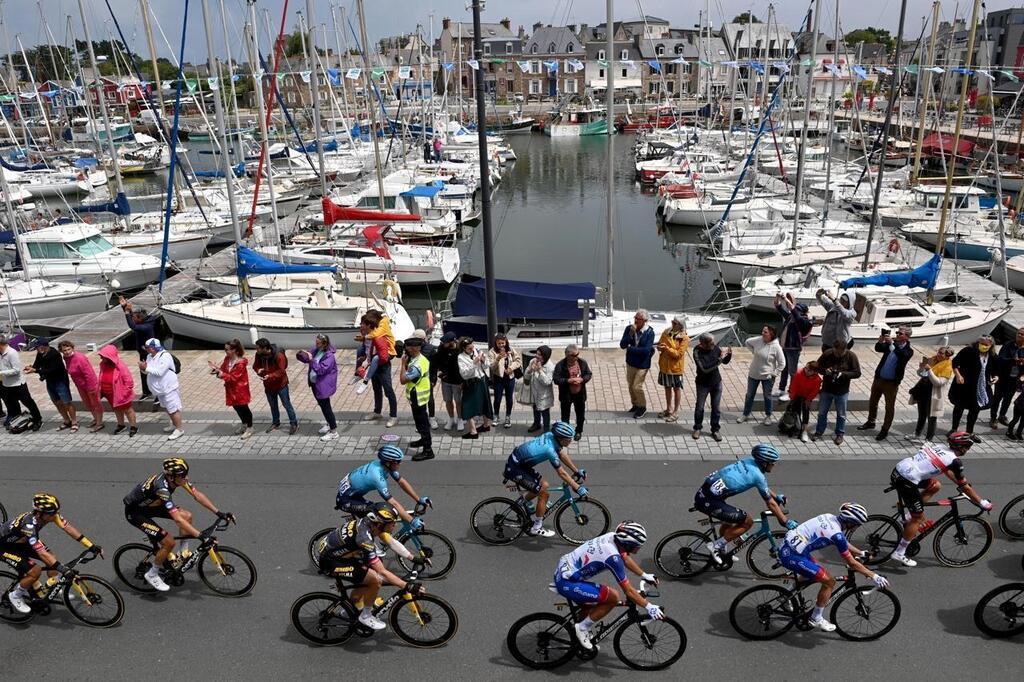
(963,71)
(912,68)
(781,66)
(704,63)
(832,69)
(404,72)
(235,78)
(883,70)
(524,66)
(334,76)
(473,64)
(986,74)
(496,61)
(654,64)
(937,69)
(758,67)
(576,65)
(448,66)
(1010,74)
(305,76)
(679,60)
(551,65)
(258,75)
(731,64)
(280,77)
(353,73)
(603,62)
(807,62)
(860,72)
(213,83)
(628,63)
(191,84)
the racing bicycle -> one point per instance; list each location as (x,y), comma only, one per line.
(1011,519)
(548,640)
(960,539)
(422,620)
(500,520)
(1000,613)
(89,598)
(859,612)
(684,553)
(423,543)
(223,569)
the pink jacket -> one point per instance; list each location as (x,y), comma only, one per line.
(81,372)
(124,384)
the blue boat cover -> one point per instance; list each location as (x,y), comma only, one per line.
(518,299)
(88,162)
(923,276)
(238,170)
(15,167)
(428,191)
(119,206)
(252,263)
(331,146)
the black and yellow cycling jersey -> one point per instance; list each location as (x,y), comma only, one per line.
(156,491)
(24,529)
(352,540)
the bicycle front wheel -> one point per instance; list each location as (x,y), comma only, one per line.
(962,545)
(1000,613)
(94,601)
(314,542)
(131,563)
(578,521)
(323,618)
(7,611)
(763,612)
(1011,519)
(763,556)
(498,521)
(227,571)
(541,641)
(683,554)
(865,613)
(651,644)
(433,546)
(425,622)
(879,537)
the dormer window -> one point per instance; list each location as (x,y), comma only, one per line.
(660,50)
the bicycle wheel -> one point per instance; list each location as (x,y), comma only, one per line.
(1011,519)
(588,519)
(227,571)
(962,546)
(131,563)
(94,601)
(683,554)
(651,644)
(323,618)
(865,613)
(878,537)
(426,621)
(1000,613)
(434,546)
(542,640)
(498,520)
(313,542)
(7,611)
(763,557)
(763,612)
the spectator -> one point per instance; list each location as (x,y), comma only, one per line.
(438,149)
(935,373)
(447,360)
(896,353)
(838,367)
(323,381)
(796,327)
(143,328)
(974,371)
(803,389)
(572,374)
(475,396)
(1009,366)
(415,376)
(380,378)
(838,318)
(84,376)
(673,346)
(49,365)
(118,387)
(766,363)
(163,382)
(505,365)
(271,366)
(1018,414)
(233,371)
(707,358)
(429,351)
(16,391)
(638,341)
(539,375)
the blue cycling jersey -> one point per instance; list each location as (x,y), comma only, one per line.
(540,449)
(737,478)
(370,476)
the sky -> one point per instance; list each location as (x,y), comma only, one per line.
(391,17)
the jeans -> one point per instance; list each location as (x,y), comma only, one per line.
(275,411)
(792,365)
(503,387)
(766,392)
(244,414)
(542,417)
(578,401)
(825,403)
(703,392)
(328,411)
(381,382)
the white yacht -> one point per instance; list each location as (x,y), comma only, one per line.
(40,299)
(928,206)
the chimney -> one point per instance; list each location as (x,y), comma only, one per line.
(522,32)
(538,25)
(583,30)
(571,27)
(446,24)
(507,23)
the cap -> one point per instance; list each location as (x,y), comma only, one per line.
(414,341)
(42,342)
(154,343)
(420,334)
(448,337)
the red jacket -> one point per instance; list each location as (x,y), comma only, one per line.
(804,386)
(274,368)
(236,382)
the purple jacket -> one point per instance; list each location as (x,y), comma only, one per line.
(325,370)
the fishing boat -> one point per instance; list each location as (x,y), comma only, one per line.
(928,206)
(576,121)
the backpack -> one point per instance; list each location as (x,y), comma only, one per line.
(176,361)
(789,424)
(20,424)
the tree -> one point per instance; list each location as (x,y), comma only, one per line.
(745,18)
(870,35)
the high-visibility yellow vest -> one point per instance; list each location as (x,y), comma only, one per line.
(419,391)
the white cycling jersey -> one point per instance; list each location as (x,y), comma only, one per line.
(814,534)
(930,462)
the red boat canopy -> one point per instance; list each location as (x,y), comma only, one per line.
(939,143)
(334,213)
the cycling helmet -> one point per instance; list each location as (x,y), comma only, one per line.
(45,503)
(563,430)
(960,440)
(853,513)
(630,534)
(390,453)
(383,513)
(765,453)
(175,466)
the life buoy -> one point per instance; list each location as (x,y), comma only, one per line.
(894,246)
(392,290)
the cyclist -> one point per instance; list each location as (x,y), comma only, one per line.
(608,552)
(151,500)
(915,480)
(349,552)
(20,545)
(374,476)
(817,533)
(731,480)
(553,447)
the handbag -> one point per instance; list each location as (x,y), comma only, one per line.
(524,394)
(920,390)
(517,373)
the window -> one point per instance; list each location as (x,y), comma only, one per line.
(653,87)
(508,48)
(670,87)
(535,67)
(46,250)
(551,48)
(533,49)
(570,48)
(624,55)
(571,86)
(899,313)
(660,50)
(678,49)
(90,246)
(600,73)
(487,48)
(670,69)
(534,87)
(600,54)
(625,73)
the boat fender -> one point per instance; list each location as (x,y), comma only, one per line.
(430,320)
(894,246)
(1012,213)
(392,290)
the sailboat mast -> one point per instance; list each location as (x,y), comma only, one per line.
(807,122)
(309,45)
(923,105)
(371,109)
(231,82)
(832,112)
(261,108)
(610,118)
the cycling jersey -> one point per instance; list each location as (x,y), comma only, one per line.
(156,491)
(541,449)
(351,540)
(594,556)
(817,533)
(371,476)
(931,461)
(737,478)
(24,530)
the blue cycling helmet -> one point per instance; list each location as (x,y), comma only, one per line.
(563,430)
(390,453)
(765,453)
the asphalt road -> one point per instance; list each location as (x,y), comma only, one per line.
(279,504)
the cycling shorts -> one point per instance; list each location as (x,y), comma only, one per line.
(19,556)
(352,569)
(581,591)
(708,503)
(142,518)
(523,476)
(803,566)
(909,493)
(356,505)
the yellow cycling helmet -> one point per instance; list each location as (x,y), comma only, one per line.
(383,513)
(175,466)
(45,503)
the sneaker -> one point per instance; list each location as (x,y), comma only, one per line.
(717,436)
(324,429)
(822,625)
(391,422)
(371,621)
(508,423)
(330,435)
(696,434)
(838,440)
(372,416)
(433,424)
(449,425)
(460,425)
(815,436)
(293,429)
(152,577)
(245,435)
(742,419)
(804,438)
(866,426)
(423,455)
(176,434)
(640,411)
(993,425)
(240,429)
(272,428)
(784,398)
(168,429)
(361,389)
(904,559)
(715,556)
(540,532)
(17,597)
(768,421)
(583,636)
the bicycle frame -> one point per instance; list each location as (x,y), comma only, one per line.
(386,605)
(954,511)
(565,496)
(843,585)
(760,527)
(208,545)
(602,628)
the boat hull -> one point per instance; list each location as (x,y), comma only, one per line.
(41,308)
(221,332)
